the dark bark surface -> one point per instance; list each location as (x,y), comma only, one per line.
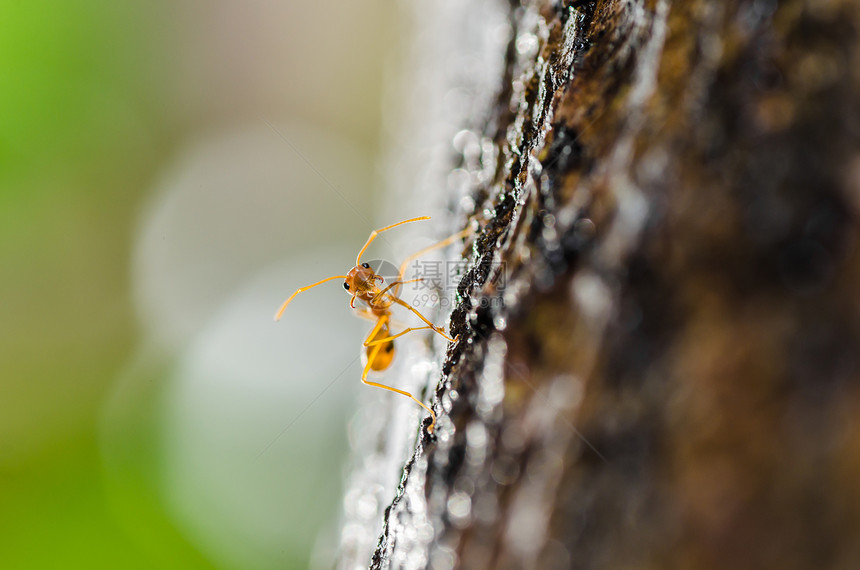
(658,361)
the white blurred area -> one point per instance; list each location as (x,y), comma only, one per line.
(251,412)
(253,421)
(269,189)
(234,203)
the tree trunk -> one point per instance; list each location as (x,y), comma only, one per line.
(657,359)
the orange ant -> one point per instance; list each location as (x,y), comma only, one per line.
(360,282)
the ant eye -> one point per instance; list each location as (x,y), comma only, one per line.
(366,265)
(346,285)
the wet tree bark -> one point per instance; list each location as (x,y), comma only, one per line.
(657,362)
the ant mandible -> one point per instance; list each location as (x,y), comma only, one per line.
(360,282)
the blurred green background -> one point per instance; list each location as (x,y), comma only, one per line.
(108,112)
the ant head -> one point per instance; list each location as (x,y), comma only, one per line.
(360,279)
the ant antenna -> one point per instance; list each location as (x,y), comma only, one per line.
(375,233)
(287,302)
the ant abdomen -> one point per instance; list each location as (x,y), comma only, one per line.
(385,353)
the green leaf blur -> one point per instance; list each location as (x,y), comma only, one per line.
(76,144)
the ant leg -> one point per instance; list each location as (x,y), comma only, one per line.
(371,316)
(403,303)
(365,381)
(379,323)
(447,241)
(384,291)
(287,302)
(375,233)
(392,337)
(365,314)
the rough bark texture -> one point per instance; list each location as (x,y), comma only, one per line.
(657,363)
